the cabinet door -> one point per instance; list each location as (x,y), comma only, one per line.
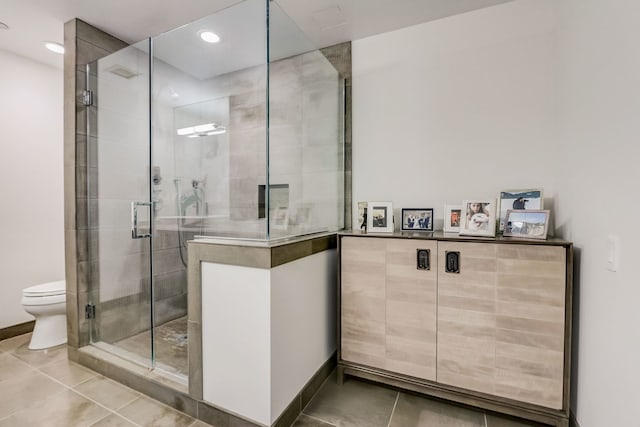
(363,300)
(411,309)
(530,315)
(467,317)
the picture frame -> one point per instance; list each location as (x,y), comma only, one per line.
(518,200)
(362,217)
(478,218)
(417,219)
(379,217)
(527,223)
(452,218)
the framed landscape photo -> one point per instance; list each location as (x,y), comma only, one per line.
(478,218)
(417,219)
(452,217)
(518,200)
(379,217)
(528,223)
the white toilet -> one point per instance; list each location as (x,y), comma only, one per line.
(47,303)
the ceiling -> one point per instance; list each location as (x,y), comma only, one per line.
(324,22)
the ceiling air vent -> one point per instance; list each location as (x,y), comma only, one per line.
(122,71)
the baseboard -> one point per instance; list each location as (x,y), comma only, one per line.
(573,422)
(15,330)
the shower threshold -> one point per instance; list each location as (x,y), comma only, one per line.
(136,365)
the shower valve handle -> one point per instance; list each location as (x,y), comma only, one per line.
(134,220)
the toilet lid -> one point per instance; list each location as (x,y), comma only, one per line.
(46,289)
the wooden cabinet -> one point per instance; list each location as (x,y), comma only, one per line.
(388,309)
(493,334)
(501,321)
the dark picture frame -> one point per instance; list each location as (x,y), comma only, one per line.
(417,219)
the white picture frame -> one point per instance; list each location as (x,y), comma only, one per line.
(478,218)
(452,218)
(527,223)
(361,224)
(531,199)
(379,217)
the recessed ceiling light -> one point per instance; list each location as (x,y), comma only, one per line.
(54,47)
(209,37)
(3,26)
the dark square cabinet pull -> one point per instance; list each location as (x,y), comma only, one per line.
(452,262)
(423,261)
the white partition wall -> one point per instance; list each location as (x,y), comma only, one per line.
(265,333)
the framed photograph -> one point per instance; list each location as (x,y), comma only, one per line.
(518,200)
(478,218)
(417,219)
(452,217)
(362,217)
(379,217)
(529,223)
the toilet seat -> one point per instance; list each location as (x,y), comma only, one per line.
(45,290)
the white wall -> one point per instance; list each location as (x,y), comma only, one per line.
(525,94)
(457,108)
(599,127)
(31,181)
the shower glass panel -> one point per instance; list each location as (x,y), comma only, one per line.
(208,152)
(118,176)
(240,139)
(306,146)
(210,125)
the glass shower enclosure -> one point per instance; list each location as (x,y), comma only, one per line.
(240,139)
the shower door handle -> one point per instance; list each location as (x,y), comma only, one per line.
(134,220)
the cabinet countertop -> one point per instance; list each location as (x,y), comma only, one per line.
(440,235)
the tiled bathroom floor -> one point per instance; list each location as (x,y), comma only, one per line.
(43,388)
(362,404)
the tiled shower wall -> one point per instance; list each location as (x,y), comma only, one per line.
(305,139)
(83,44)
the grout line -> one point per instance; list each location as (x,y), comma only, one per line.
(71,388)
(318,419)
(117,415)
(394,409)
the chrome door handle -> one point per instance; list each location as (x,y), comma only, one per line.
(134,220)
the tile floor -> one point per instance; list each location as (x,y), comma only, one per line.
(43,388)
(363,404)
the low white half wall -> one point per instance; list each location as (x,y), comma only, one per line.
(265,332)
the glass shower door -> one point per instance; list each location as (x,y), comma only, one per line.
(119,204)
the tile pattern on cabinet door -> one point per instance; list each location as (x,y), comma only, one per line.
(530,324)
(363,300)
(411,309)
(466,317)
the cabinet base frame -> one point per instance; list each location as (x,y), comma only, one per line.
(465,397)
